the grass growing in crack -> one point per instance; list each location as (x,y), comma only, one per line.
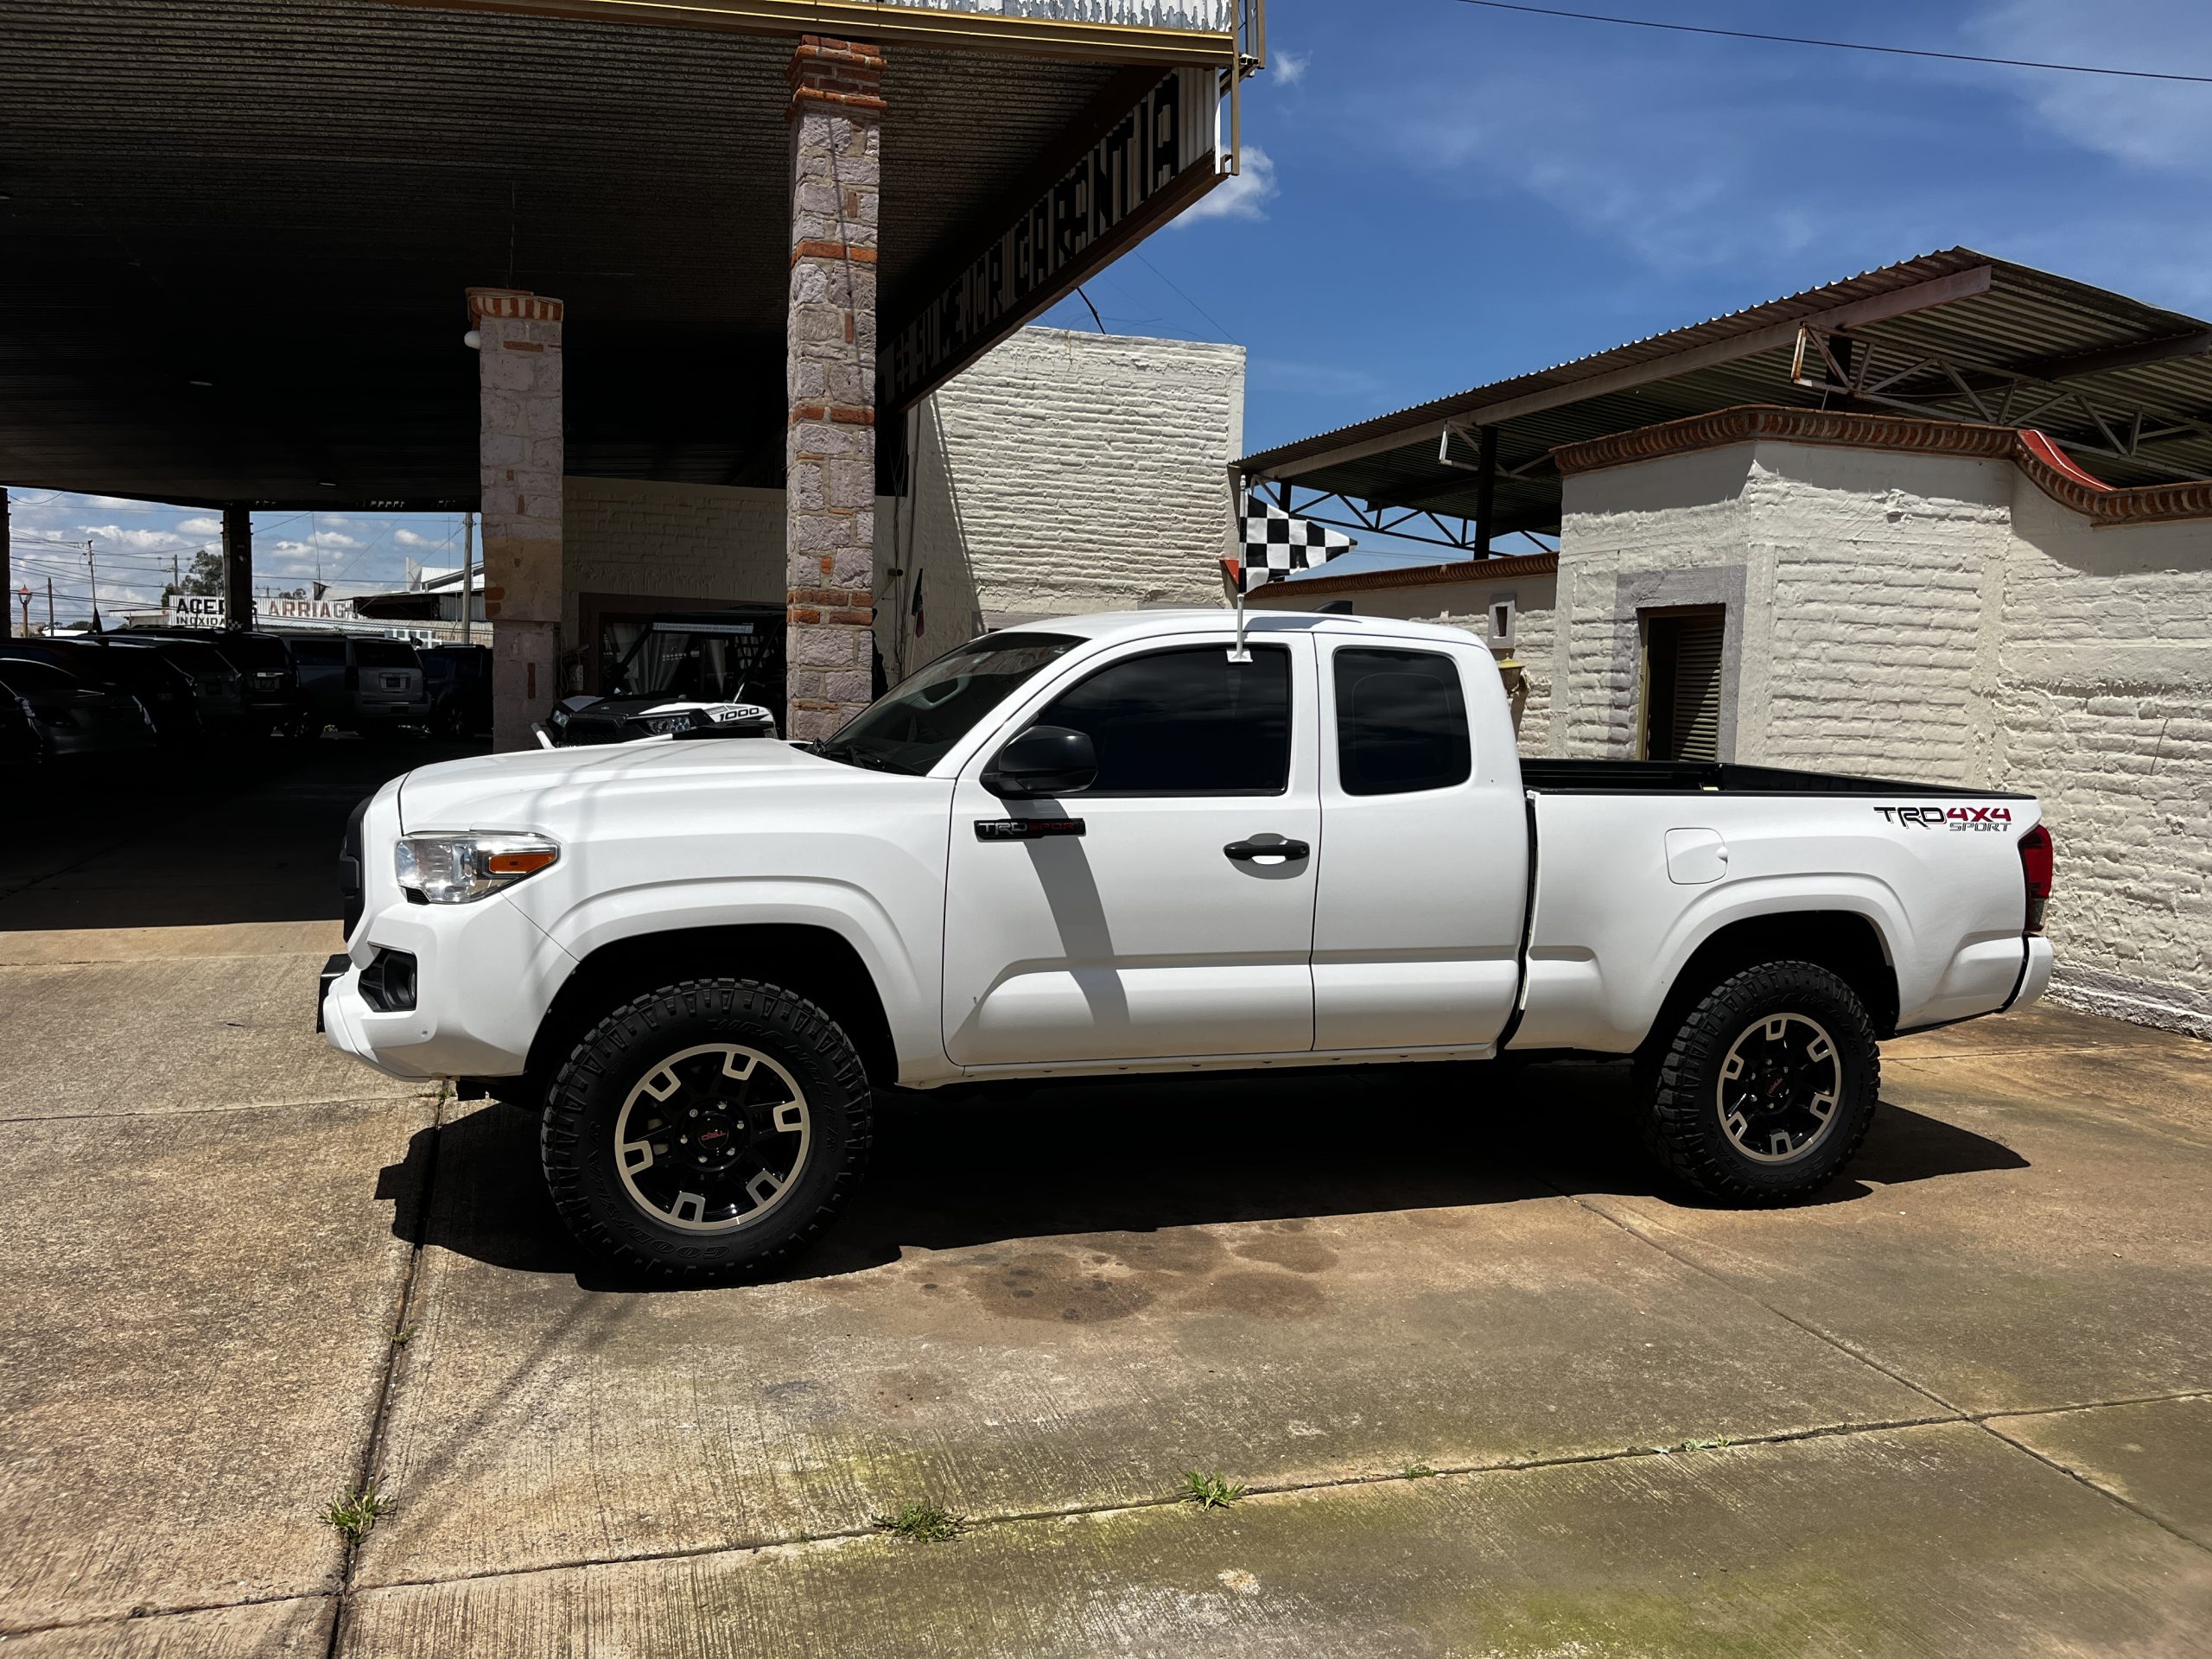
(353,1513)
(399,1338)
(1704,1445)
(921,1523)
(1418,1471)
(1213,1491)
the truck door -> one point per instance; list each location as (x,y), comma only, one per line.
(1169,926)
(1417,930)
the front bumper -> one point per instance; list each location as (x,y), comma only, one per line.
(485,973)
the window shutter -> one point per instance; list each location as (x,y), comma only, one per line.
(1697,688)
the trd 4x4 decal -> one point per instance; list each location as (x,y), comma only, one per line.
(1950,817)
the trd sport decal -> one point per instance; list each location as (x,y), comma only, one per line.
(1950,817)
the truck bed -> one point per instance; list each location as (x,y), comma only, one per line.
(1723,777)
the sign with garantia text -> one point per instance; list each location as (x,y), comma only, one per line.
(1163,153)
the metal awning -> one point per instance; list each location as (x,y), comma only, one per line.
(2127,387)
(235,235)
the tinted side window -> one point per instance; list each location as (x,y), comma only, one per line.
(1187,721)
(383,653)
(320,652)
(1402,722)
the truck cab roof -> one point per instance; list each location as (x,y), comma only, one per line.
(1148,624)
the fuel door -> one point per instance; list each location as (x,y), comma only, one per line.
(1695,857)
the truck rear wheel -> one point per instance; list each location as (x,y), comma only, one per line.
(709,1127)
(1766,1089)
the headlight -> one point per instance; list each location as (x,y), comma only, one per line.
(460,869)
(662,725)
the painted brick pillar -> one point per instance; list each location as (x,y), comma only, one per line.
(520,459)
(836,120)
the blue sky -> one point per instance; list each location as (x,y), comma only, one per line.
(1439,195)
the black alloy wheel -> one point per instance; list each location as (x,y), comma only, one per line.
(1766,1088)
(705,1128)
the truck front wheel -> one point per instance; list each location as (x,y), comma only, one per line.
(1766,1090)
(705,1128)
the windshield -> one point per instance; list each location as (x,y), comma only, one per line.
(383,653)
(717,663)
(910,727)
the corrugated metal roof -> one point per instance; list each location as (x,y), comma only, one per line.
(286,198)
(2024,321)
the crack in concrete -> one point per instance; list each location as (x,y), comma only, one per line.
(1953,1413)
(373,1442)
(211,1111)
(353,1589)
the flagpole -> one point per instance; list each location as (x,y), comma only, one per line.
(1232,578)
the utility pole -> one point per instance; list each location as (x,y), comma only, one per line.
(49,607)
(92,575)
(467,577)
(24,598)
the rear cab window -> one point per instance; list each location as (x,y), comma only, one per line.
(383,653)
(1402,720)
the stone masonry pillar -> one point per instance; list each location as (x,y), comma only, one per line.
(519,460)
(837,121)
(238,567)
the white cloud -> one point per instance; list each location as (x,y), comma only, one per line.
(1242,197)
(134,541)
(200,526)
(1288,68)
(409,538)
(2165,125)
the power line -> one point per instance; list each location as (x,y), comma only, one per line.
(1836,46)
(1188,300)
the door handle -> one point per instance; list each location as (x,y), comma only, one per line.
(1245,852)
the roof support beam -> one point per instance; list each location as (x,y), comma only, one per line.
(1939,290)
(1045,37)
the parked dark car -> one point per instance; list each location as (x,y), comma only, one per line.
(75,716)
(358,684)
(724,666)
(164,689)
(218,689)
(269,682)
(20,745)
(459,680)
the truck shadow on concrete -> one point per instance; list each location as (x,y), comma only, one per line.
(1140,1155)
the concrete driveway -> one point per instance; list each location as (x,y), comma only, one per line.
(1492,1388)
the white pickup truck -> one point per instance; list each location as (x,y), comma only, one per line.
(1106,844)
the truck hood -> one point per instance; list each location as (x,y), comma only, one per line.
(534,788)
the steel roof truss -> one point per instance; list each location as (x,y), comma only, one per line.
(2142,425)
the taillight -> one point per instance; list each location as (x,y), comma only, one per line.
(2037,857)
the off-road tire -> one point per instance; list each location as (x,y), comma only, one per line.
(576,1140)
(1681,1076)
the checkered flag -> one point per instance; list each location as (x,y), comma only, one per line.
(1276,543)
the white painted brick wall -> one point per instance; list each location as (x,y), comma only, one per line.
(1682,513)
(686,541)
(2102,704)
(1063,472)
(1879,561)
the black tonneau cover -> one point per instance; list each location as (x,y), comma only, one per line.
(1725,778)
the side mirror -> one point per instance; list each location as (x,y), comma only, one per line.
(1044,760)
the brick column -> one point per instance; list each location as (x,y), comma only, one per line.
(836,120)
(519,460)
